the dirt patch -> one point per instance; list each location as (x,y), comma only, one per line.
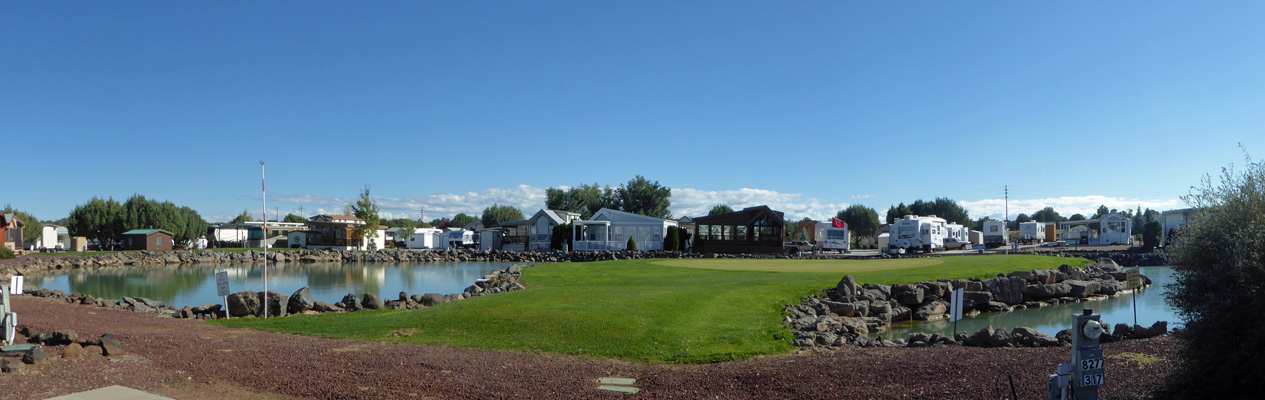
(175,358)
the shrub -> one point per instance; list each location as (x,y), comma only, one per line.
(6,253)
(1219,268)
(1151,234)
(671,240)
(561,235)
(632,244)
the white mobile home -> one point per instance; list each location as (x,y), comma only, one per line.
(831,238)
(957,237)
(1113,228)
(995,233)
(1031,232)
(918,233)
(54,237)
(423,238)
(609,230)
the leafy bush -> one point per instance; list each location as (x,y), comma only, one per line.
(561,235)
(671,240)
(632,244)
(6,254)
(1219,266)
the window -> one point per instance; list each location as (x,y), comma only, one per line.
(740,232)
(159,241)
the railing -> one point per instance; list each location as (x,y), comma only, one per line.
(324,241)
(513,239)
(598,245)
(541,237)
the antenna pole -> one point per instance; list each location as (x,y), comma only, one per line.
(263,187)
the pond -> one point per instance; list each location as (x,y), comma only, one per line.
(1052,319)
(194,285)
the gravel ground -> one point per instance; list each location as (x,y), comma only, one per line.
(187,359)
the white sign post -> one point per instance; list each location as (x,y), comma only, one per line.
(15,285)
(955,308)
(221,286)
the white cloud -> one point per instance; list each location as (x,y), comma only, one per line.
(694,202)
(524,197)
(1065,206)
(862,196)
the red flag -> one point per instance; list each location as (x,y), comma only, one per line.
(838,223)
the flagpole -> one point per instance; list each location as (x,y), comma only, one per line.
(263,187)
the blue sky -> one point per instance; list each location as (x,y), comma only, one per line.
(451,106)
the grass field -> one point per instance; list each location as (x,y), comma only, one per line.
(668,311)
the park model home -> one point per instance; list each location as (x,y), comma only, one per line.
(1113,228)
(752,230)
(11,229)
(609,230)
(339,232)
(535,233)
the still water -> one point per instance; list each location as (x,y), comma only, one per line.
(1050,320)
(194,285)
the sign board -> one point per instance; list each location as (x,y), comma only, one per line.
(955,305)
(15,285)
(1090,369)
(221,283)
(1133,278)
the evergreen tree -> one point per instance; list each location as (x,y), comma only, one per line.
(720,209)
(367,210)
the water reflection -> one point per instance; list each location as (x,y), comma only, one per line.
(1050,320)
(329,282)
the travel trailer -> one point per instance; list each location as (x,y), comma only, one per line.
(831,238)
(1031,232)
(918,233)
(957,237)
(995,233)
(457,239)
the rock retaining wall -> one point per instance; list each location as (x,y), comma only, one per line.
(850,312)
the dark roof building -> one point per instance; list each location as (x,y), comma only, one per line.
(756,229)
(11,230)
(147,239)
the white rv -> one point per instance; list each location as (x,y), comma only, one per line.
(918,233)
(1032,232)
(957,237)
(831,238)
(995,233)
(422,238)
(457,239)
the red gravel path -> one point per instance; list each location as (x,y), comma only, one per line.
(187,359)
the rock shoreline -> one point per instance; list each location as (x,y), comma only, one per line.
(847,314)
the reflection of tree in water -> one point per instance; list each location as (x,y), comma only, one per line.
(352,278)
(159,283)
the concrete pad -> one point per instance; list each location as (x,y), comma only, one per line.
(617,381)
(621,389)
(111,393)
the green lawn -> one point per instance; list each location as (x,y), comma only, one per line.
(671,311)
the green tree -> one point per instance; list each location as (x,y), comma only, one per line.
(861,220)
(1102,210)
(897,212)
(244,217)
(632,244)
(720,209)
(1076,217)
(496,214)
(33,230)
(583,199)
(1219,267)
(1047,215)
(461,220)
(367,210)
(99,220)
(1151,234)
(294,218)
(640,196)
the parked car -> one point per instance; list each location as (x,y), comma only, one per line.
(797,246)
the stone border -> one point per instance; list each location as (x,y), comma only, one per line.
(849,312)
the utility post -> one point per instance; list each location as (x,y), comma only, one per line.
(1087,372)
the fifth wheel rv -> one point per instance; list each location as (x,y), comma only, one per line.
(832,238)
(915,233)
(995,233)
(1031,232)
